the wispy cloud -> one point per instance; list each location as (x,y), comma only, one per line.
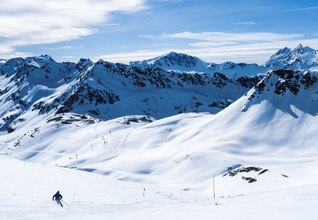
(237,47)
(68,57)
(133,56)
(29,22)
(212,44)
(233,37)
(304,9)
(220,47)
(62,48)
(112,24)
(246,23)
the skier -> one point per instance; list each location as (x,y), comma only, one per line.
(58,198)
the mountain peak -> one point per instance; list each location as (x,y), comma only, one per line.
(283,51)
(85,61)
(2,61)
(301,50)
(293,58)
(43,58)
(46,58)
(175,55)
(174,61)
(39,61)
(300,46)
(172,54)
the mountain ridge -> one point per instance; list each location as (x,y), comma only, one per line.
(107,90)
(298,58)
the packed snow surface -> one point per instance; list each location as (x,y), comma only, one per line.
(26,191)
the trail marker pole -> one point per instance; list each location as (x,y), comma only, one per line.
(144,192)
(213,188)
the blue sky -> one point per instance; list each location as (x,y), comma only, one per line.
(128,30)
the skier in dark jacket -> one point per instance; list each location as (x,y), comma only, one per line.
(58,198)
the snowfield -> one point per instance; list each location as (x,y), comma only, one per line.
(27,190)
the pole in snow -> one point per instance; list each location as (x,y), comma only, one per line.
(66,203)
(213,187)
(144,192)
(214,192)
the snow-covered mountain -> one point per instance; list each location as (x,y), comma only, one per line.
(260,149)
(299,58)
(268,135)
(161,87)
(178,62)
(107,90)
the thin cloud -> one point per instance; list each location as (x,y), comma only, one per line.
(61,48)
(233,37)
(112,24)
(246,23)
(68,57)
(211,44)
(133,56)
(30,22)
(240,53)
(303,9)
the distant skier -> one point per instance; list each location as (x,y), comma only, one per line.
(58,198)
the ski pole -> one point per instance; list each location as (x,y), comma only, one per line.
(65,203)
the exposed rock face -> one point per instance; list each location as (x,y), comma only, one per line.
(251,171)
(284,88)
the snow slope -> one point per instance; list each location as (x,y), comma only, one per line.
(26,190)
